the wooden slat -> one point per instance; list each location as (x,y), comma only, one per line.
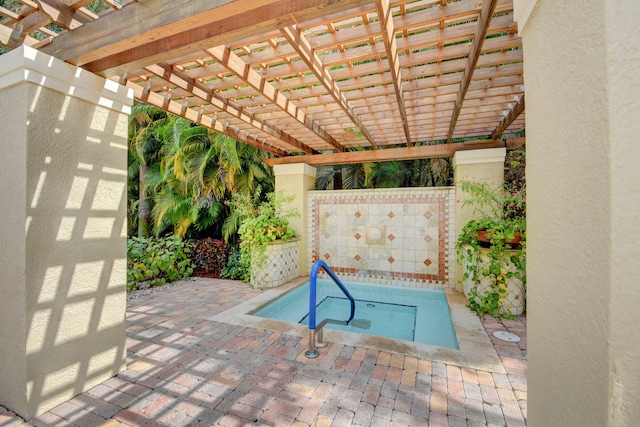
(143,21)
(310,57)
(395,64)
(150,32)
(9,14)
(427,97)
(386,155)
(33,21)
(486,13)
(452,52)
(420,65)
(173,107)
(77,4)
(62,15)
(236,65)
(389,37)
(12,39)
(509,118)
(203,92)
(113,4)
(432,38)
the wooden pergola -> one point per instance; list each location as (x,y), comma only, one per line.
(306,80)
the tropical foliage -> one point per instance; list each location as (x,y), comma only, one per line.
(157,261)
(409,173)
(180,176)
(264,218)
(190,182)
(234,269)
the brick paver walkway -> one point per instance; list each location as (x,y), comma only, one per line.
(186,370)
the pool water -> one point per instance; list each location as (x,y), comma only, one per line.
(395,312)
(374,318)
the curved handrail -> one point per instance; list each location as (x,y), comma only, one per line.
(312,294)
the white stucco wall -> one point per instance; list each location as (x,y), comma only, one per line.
(623,59)
(13,269)
(63,162)
(582,74)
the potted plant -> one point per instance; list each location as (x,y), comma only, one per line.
(492,249)
(264,221)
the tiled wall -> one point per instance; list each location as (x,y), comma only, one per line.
(401,237)
(279,266)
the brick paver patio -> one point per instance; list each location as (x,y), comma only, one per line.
(184,369)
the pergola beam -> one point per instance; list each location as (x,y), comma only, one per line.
(311,76)
(509,118)
(63,15)
(236,65)
(47,11)
(387,155)
(200,90)
(173,107)
(391,46)
(149,32)
(12,39)
(484,19)
(310,57)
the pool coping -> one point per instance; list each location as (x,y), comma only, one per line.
(475,351)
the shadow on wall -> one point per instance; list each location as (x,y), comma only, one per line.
(73,288)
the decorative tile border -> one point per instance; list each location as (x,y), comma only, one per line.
(403,237)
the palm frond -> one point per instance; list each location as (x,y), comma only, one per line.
(390,174)
(209,216)
(324,176)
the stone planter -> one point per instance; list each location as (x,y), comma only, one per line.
(282,264)
(515,299)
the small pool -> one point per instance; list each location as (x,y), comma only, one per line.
(395,312)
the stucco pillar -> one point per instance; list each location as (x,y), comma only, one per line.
(63,176)
(476,166)
(297,179)
(582,74)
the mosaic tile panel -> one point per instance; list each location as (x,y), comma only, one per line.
(402,236)
(282,265)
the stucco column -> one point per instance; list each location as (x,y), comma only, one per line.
(63,176)
(582,75)
(297,179)
(476,166)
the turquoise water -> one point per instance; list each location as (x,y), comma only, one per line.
(395,312)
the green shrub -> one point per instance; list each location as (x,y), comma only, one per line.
(235,268)
(263,221)
(500,215)
(157,261)
(209,255)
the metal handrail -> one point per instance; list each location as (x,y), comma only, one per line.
(317,329)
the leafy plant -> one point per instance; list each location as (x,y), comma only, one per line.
(157,261)
(209,255)
(501,219)
(263,221)
(514,169)
(180,176)
(234,269)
